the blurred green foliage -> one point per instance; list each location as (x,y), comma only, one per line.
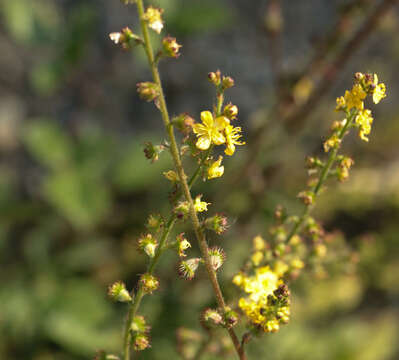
(75,189)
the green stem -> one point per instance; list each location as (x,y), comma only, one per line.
(135,304)
(323,177)
(182,176)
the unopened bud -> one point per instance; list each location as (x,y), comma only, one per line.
(211,318)
(152,151)
(182,209)
(230,111)
(171,47)
(183,123)
(307,197)
(148,91)
(230,318)
(227,82)
(214,77)
(171,176)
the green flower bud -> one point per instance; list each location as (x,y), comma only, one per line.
(227,82)
(217,257)
(171,47)
(148,91)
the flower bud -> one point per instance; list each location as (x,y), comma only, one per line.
(227,82)
(171,47)
(148,244)
(149,283)
(230,318)
(307,197)
(148,91)
(140,342)
(257,257)
(187,268)
(217,223)
(230,111)
(152,151)
(171,176)
(183,123)
(217,257)
(118,292)
(214,77)
(182,209)
(211,318)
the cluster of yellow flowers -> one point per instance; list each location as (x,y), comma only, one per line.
(354,101)
(267,304)
(216,131)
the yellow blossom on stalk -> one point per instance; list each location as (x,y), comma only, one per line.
(257,257)
(154,18)
(210,131)
(364,121)
(379,90)
(332,142)
(354,98)
(232,135)
(216,170)
(259,243)
(199,205)
(341,103)
(267,304)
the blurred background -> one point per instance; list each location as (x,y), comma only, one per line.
(76,189)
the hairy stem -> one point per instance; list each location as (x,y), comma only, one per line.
(184,184)
(323,177)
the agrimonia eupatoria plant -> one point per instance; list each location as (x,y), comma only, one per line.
(264,278)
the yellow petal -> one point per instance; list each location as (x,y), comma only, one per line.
(218,138)
(207,118)
(203,143)
(221,122)
(200,129)
(230,149)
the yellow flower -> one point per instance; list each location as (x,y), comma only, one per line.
(341,103)
(154,18)
(199,205)
(257,257)
(259,243)
(216,170)
(355,97)
(232,135)
(379,91)
(364,120)
(210,130)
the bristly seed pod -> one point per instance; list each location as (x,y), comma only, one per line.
(152,152)
(217,223)
(149,283)
(187,268)
(217,257)
(148,244)
(211,318)
(140,341)
(118,292)
(139,325)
